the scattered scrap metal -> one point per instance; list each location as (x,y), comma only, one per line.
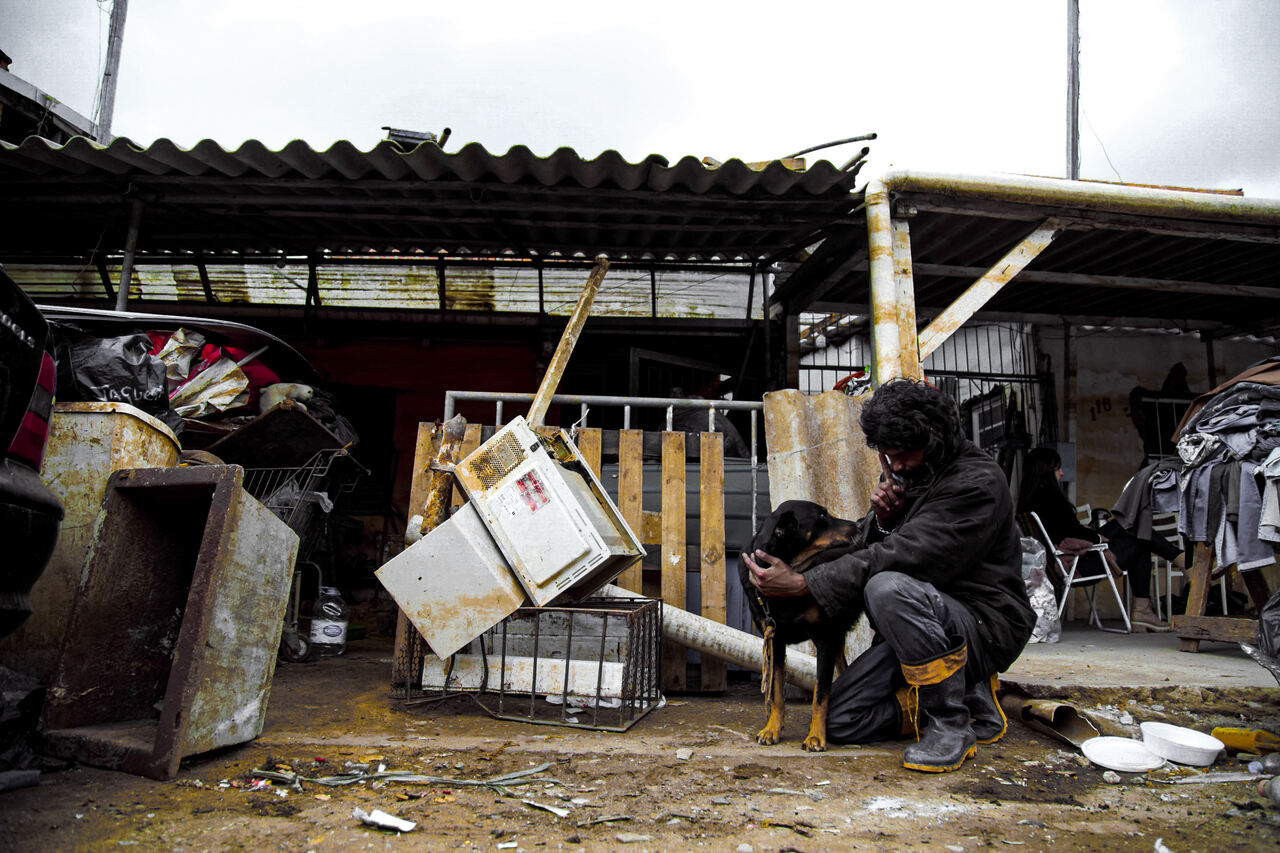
(502,783)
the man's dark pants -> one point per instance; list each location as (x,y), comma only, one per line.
(914,622)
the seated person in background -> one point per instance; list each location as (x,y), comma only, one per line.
(1042,494)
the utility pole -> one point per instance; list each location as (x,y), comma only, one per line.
(1073,89)
(115,38)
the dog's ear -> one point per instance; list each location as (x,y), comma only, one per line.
(772,527)
(785,529)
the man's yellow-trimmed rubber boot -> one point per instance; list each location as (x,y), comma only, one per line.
(947,739)
(985,714)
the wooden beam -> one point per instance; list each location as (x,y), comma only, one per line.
(673,551)
(1240,233)
(712,547)
(630,493)
(981,291)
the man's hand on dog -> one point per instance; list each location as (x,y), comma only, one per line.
(773,577)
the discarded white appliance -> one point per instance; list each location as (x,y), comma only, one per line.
(538,525)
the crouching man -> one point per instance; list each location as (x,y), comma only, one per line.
(941,581)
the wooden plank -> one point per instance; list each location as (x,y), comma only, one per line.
(711,537)
(673,556)
(630,485)
(470,441)
(424,451)
(650,531)
(1197,591)
(589,442)
(1222,629)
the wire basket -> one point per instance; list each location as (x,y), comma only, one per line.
(300,495)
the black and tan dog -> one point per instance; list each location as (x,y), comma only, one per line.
(803,534)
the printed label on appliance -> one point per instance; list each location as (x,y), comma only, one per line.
(533,491)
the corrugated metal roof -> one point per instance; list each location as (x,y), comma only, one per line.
(65,201)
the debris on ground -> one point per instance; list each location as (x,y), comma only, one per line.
(382,820)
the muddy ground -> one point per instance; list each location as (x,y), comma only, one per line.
(636,790)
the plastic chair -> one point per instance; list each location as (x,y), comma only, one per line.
(1087,582)
(1166,524)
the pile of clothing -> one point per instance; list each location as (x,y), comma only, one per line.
(1229,485)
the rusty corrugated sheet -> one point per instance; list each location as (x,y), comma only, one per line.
(390,161)
(817,453)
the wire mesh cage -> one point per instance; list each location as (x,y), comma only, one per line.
(595,665)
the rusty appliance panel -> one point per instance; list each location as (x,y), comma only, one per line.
(453,584)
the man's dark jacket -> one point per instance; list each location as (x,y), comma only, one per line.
(959,534)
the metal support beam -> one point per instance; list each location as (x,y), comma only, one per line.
(130,249)
(313,282)
(203,269)
(904,285)
(765,276)
(886,345)
(115,42)
(1073,90)
(105,275)
(978,293)
(653,292)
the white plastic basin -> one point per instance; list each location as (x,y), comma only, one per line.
(1180,744)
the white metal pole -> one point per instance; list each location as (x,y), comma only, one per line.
(1073,90)
(115,40)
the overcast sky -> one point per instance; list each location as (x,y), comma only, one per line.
(1173,92)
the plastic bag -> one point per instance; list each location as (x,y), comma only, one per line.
(117,370)
(1048,627)
(177,351)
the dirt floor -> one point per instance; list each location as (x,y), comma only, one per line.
(688,775)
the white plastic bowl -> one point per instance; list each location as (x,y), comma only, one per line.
(1183,745)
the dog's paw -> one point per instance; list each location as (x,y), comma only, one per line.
(814,744)
(768,736)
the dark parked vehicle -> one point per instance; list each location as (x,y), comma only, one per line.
(30,514)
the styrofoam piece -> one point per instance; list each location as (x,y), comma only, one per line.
(1120,753)
(1181,744)
(468,673)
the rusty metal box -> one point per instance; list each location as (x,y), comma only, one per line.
(87,442)
(173,635)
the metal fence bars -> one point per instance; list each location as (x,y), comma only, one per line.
(595,665)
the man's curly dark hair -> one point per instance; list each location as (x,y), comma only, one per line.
(907,414)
